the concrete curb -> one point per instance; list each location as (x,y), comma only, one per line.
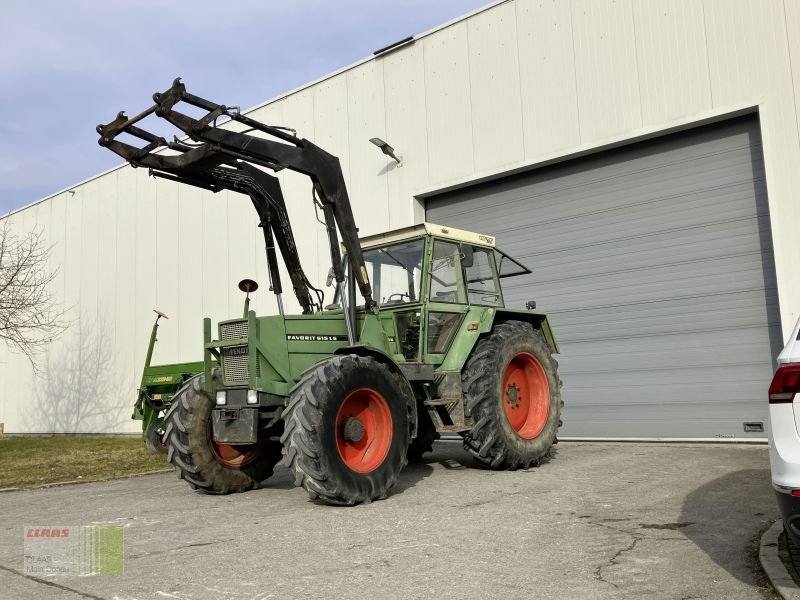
(44,486)
(773,565)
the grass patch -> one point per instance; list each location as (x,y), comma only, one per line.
(31,461)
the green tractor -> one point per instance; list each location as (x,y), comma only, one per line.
(416,342)
(159,384)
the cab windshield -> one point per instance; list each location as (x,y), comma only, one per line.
(395,271)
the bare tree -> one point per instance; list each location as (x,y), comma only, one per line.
(29,315)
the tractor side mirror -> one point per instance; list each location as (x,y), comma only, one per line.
(331,275)
(467,256)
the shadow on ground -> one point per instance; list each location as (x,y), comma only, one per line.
(283,479)
(451,455)
(726,514)
(411,476)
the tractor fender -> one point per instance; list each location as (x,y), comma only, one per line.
(481,321)
(538,320)
(382,357)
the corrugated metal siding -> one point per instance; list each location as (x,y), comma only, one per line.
(655,266)
(605,51)
(519,83)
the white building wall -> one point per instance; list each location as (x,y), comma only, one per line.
(520,83)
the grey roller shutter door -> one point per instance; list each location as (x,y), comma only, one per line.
(655,265)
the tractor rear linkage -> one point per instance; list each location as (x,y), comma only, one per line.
(219,160)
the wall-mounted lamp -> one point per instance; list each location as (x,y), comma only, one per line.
(386,149)
(71,192)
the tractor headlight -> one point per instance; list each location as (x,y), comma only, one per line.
(221,398)
(252,397)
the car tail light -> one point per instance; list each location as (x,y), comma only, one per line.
(785,384)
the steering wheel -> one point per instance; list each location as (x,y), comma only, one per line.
(399,300)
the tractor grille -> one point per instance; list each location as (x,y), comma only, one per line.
(234,359)
(233,331)
(235,364)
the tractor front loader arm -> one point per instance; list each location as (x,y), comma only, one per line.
(204,167)
(220,154)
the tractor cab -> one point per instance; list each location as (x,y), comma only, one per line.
(430,278)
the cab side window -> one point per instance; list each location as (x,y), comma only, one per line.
(480,272)
(445,273)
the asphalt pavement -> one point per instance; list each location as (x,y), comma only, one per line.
(601,520)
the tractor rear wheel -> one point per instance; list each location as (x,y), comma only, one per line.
(513,394)
(208,466)
(152,436)
(346,430)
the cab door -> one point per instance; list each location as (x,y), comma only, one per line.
(447,299)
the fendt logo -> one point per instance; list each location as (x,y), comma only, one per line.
(486,238)
(33,532)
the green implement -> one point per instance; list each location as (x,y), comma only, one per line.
(158,387)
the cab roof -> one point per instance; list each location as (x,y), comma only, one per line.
(406,233)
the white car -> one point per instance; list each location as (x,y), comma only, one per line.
(784,440)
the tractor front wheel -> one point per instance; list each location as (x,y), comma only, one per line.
(346,430)
(152,436)
(513,395)
(208,466)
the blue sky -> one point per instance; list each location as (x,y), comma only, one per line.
(67,66)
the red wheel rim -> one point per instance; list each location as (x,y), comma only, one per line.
(364,430)
(526,396)
(235,456)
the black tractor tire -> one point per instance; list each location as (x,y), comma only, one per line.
(190,449)
(426,435)
(493,439)
(152,437)
(315,435)
(793,549)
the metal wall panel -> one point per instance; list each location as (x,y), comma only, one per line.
(547,76)
(145,273)
(792,29)
(366,118)
(448,106)
(672,61)
(128,319)
(605,67)
(589,73)
(185,322)
(495,88)
(746,47)
(654,263)
(407,128)
(167,256)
